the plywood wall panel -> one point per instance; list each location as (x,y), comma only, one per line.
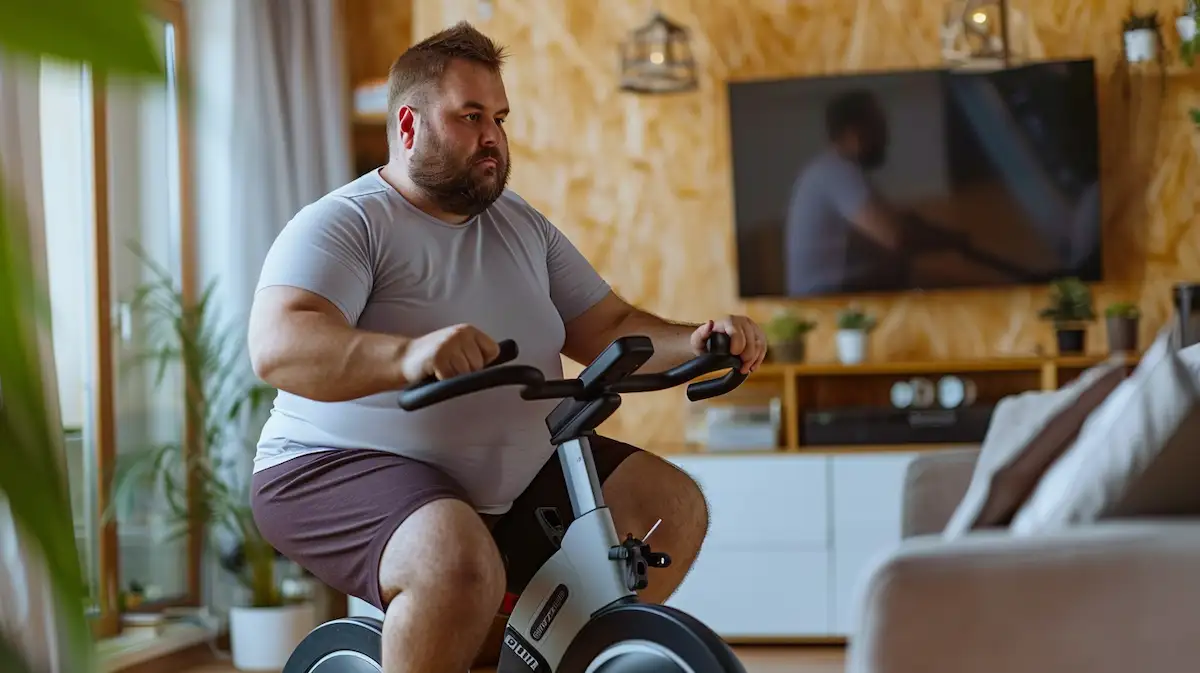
(643,186)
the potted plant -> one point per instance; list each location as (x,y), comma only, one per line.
(1121,321)
(1142,38)
(1070,310)
(1186,24)
(223,403)
(786,336)
(854,325)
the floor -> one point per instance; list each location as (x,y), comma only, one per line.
(758,659)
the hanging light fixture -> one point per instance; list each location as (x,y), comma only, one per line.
(657,58)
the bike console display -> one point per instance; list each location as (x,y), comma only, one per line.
(592,397)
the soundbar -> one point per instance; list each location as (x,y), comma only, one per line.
(878,425)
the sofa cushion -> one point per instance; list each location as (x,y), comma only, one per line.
(1135,456)
(1028,432)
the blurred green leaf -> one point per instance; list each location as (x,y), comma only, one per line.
(30,474)
(11,660)
(109,35)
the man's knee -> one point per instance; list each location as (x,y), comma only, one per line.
(443,552)
(649,488)
(689,501)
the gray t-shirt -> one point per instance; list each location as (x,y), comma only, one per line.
(824,251)
(392,268)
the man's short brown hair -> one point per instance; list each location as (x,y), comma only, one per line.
(417,71)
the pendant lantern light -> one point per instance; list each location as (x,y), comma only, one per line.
(657,58)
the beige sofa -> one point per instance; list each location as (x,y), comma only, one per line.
(1113,596)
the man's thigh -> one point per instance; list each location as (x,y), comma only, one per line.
(334,512)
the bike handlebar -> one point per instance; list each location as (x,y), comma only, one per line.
(534,385)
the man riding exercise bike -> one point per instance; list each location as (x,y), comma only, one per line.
(404,273)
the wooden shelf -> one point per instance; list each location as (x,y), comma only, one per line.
(917,367)
(807,386)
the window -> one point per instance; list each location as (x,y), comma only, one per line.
(118,212)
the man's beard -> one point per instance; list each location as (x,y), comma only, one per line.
(454,187)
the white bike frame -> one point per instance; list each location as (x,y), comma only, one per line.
(578,580)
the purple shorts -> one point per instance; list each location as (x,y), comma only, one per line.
(333,512)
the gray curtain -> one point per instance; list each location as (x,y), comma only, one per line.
(272,126)
(271,131)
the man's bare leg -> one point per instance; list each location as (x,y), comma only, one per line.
(645,488)
(444,579)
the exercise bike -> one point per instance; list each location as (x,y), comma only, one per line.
(580,613)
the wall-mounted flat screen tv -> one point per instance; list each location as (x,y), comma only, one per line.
(916,180)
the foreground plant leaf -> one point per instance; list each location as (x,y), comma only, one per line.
(30,475)
(108,35)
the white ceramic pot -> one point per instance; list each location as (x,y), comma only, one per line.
(1140,45)
(851,346)
(262,639)
(1186,25)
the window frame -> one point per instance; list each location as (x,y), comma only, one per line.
(107,622)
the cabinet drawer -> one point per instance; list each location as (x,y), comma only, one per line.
(758,594)
(868,497)
(764,502)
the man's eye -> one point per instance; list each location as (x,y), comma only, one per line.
(473,116)
(501,121)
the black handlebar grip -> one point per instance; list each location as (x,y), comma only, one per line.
(508,353)
(472,382)
(431,390)
(702,390)
(718,350)
(718,343)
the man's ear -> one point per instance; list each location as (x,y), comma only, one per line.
(406,126)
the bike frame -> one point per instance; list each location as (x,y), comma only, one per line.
(576,582)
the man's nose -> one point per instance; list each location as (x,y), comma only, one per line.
(490,137)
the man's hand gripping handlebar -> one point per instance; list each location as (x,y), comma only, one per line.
(534,385)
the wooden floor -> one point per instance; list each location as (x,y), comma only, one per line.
(757,659)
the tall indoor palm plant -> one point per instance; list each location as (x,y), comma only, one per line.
(223,402)
(108,36)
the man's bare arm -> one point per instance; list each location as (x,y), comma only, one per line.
(301,343)
(880,224)
(590,333)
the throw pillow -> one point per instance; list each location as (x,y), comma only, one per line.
(1027,433)
(1135,456)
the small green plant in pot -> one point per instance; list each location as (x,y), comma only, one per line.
(1142,36)
(1070,310)
(854,326)
(786,334)
(1185,24)
(1121,321)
